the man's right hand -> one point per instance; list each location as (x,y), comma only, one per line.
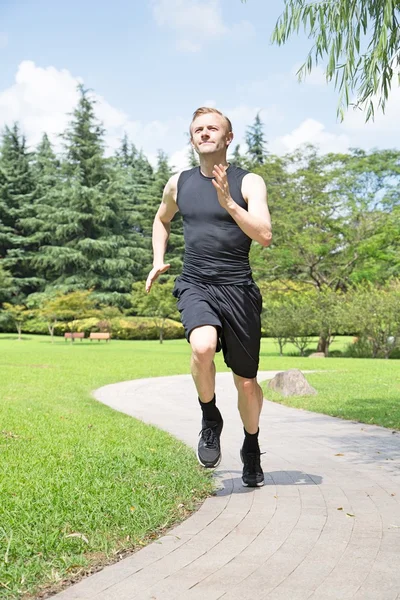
(154,273)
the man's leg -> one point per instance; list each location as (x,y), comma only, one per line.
(203,341)
(250,401)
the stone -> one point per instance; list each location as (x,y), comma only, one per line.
(292,383)
(316,355)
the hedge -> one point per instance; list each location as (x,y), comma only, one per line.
(122,328)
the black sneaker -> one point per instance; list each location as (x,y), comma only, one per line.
(253,475)
(209,449)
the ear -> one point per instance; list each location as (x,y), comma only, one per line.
(229,138)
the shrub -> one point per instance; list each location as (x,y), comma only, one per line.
(374,315)
(361,348)
(144,328)
(35,325)
(122,328)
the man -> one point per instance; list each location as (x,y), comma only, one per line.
(224,208)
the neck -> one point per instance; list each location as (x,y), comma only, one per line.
(207,163)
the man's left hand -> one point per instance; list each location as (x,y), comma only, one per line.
(221,185)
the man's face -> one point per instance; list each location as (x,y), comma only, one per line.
(210,134)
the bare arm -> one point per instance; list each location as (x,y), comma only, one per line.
(161,230)
(256,220)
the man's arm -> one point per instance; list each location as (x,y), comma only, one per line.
(256,220)
(162,228)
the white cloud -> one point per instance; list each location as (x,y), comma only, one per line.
(179,160)
(242,116)
(196,22)
(191,16)
(3,40)
(313,132)
(353,132)
(41,98)
(384,130)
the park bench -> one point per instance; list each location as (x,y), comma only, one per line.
(99,336)
(74,335)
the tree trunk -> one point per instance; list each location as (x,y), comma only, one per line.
(51,331)
(324,343)
(19,329)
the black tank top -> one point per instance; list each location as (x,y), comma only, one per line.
(216,249)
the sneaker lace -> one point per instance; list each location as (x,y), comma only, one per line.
(253,461)
(209,437)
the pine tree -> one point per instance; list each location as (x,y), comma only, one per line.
(123,187)
(48,180)
(17,200)
(256,143)
(84,144)
(90,248)
(123,154)
(193,160)
(45,166)
(236,159)
(161,175)
(6,286)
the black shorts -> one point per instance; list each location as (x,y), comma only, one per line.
(235,311)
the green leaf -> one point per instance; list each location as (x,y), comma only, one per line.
(335,27)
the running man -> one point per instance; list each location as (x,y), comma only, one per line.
(223,208)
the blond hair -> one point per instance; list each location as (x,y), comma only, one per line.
(205,110)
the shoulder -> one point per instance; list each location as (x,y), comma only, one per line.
(237,172)
(172,182)
(253,184)
(185,175)
(253,180)
(176,181)
(171,187)
(246,178)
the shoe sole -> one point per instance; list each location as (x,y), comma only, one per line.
(259,484)
(209,466)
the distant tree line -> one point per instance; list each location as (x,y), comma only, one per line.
(79,220)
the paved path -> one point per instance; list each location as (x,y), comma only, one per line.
(325,526)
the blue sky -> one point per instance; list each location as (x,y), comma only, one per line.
(151,63)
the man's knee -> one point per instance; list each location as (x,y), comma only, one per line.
(203,341)
(245,385)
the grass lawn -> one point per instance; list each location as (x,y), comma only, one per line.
(81,484)
(365,390)
(70,465)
